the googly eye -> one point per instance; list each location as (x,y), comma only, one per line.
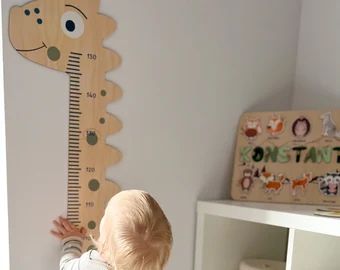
(72,24)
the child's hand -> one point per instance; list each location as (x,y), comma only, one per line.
(64,229)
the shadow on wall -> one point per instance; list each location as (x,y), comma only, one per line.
(279,100)
(315,95)
(208,190)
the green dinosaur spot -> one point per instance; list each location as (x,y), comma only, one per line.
(53,53)
(94,185)
(92,138)
(102,120)
(91,225)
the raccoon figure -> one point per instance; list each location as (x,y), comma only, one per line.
(329,183)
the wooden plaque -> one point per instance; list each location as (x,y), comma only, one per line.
(288,157)
(67,36)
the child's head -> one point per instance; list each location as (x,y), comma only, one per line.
(135,233)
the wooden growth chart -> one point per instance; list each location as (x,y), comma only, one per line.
(67,35)
(289,157)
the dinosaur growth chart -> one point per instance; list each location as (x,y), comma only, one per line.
(288,157)
(67,35)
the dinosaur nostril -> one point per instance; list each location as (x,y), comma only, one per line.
(27,12)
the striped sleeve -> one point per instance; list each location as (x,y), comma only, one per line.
(71,250)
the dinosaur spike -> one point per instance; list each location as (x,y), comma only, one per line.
(114,186)
(112,124)
(112,59)
(94,4)
(111,91)
(111,155)
(107,24)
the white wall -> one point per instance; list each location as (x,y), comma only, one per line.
(190,69)
(4,243)
(318,64)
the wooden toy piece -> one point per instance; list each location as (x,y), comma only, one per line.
(297,159)
(67,35)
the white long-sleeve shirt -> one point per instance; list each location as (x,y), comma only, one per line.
(73,259)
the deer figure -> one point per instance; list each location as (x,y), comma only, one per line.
(301,183)
(67,36)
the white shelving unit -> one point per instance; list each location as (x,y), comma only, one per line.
(229,231)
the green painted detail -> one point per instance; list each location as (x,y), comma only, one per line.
(271,153)
(92,138)
(94,185)
(102,120)
(244,153)
(91,225)
(92,247)
(325,154)
(311,155)
(53,53)
(103,93)
(283,156)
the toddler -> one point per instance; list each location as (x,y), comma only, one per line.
(134,235)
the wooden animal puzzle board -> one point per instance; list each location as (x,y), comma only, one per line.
(288,157)
(67,36)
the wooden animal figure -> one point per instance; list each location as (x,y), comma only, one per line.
(247,180)
(275,125)
(67,36)
(266,176)
(301,127)
(301,183)
(271,182)
(329,183)
(252,128)
(276,185)
(329,126)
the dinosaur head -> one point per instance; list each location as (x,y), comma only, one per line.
(47,31)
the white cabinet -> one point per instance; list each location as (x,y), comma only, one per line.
(228,231)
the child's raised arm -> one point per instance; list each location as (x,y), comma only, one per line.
(71,240)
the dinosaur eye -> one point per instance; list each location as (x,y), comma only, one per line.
(72,24)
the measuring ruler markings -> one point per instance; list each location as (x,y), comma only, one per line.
(74,168)
(88,154)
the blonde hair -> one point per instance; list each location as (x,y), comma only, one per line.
(135,233)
